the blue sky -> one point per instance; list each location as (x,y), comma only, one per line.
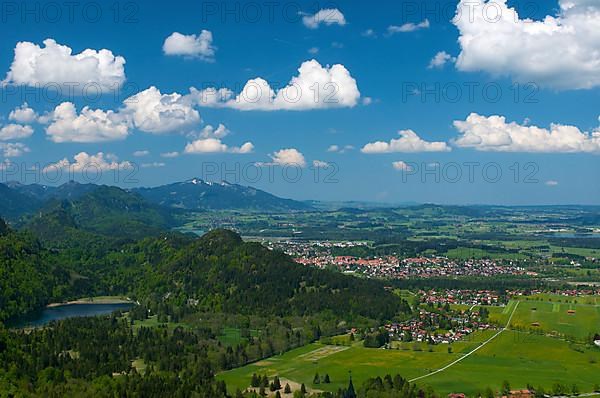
(384,84)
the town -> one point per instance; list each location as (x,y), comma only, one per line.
(321,254)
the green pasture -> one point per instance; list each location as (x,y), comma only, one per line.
(461,253)
(594,300)
(520,357)
(300,365)
(566,319)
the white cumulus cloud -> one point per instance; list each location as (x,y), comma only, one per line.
(320,164)
(401,166)
(560,51)
(327,16)
(315,87)
(200,46)
(23,114)
(13,150)
(87,126)
(15,132)
(286,157)
(211,132)
(440,59)
(338,149)
(409,141)
(408,27)
(56,64)
(84,161)
(157,113)
(493,133)
(215,145)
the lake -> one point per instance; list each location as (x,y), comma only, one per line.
(47,315)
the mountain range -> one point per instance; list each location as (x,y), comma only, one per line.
(17,200)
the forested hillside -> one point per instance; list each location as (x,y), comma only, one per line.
(105,211)
(29,277)
(222,272)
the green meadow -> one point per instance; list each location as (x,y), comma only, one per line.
(300,365)
(576,321)
(520,357)
(233,336)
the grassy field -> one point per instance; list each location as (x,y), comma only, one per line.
(521,358)
(517,357)
(300,365)
(595,300)
(233,336)
(567,319)
(462,253)
(500,315)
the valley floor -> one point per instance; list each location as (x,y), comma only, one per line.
(518,355)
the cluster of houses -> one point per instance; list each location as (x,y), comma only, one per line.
(458,296)
(492,297)
(426,267)
(311,249)
(392,267)
(437,327)
(322,254)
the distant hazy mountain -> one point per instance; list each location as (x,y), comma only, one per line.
(14,203)
(17,200)
(196,194)
(70,190)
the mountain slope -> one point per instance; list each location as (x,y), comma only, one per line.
(70,190)
(196,194)
(106,211)
(13,204)
(18,200)
(224,273)
(28,276)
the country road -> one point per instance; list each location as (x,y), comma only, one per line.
(472,351)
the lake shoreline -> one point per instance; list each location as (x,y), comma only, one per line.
(88,307)
(94,300)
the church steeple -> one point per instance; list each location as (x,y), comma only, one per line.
(350,393)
